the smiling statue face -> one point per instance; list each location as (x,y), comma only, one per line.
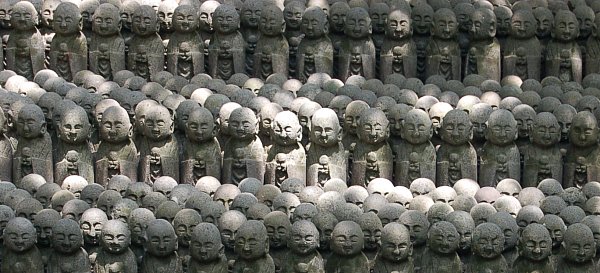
(347,239)
(145,21)
(200,126)
(30,122)
(225,19)
(74,126)
(251,241)
(243,123)
(159,124)
(488,241)
(545,130)
(23,16)
(67,236)
(584,130)
(67,19)
(304,238)
(445,25)
(373,126)
(501,128)
(536,244)
(116,237)
(106,20)
(286,129)
(456,127)
(399,25)
(395,242)
(357,24)
(206,245)
(115,125)
(162,240)
(443,237)
(271,21)
(19,235)
(314,23)
(185,19)
(325,128)
(566,27)
(523,24)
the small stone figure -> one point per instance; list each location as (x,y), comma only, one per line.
(206,250)
(6,150)
(252,246)
(337,15)
(488,243)
(534,250)
(250,15)
(398,51)
(593,48)
(146,51)
(161,246)
(563,55)
(292,14)
(484,48)
(500,156)
(69,255)
(115,256)
(357,53)
(227,53)
(422,17)
(522,53)
(286,135)
(326,158)
(116,153)
(315,52)
(347,240)
(580,165)
(165,19)
(34,149)
(272,49)
(580,249)
(456,157)
(20,254)
(542,159)
(415,156)
(373,131)
(278,229)
(25,48)
(74,132)
(201,150)
(396,250)
(107,47)
(244,147)
(443,52)
(441,256)
(159,152)
(185,51)
(68,50)
(303,243)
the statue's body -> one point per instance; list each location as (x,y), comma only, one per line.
(201,150)
(25,47)
(398,51)
(456,157)
(226,50)
(20,254)
(185,50)
(244,155)
(522,54)
(74,151)
(372,156)
(286,158)
(34,149)
(500,156)
(416,155)
(581,160)
(69,49)
(146,51)
(159,152)
(357,53)
(272,49)
(563,55)
(326,158)
(107,46)
(483,57)
(543,158)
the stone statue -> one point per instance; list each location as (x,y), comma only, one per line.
(396,250)
(185,50)
(74,155)
(337,15)
(69,255)
(585,16)
(536,258)
(372,156)
(244,155)
(250,18)
(415,156)
(278,230)
(456,157)
(286,158)
(580,162)
(161,246)
(522,53)
(350,119)
(357,53)
(443,52)
(579,247)
(593,48)
(117,154)
(20,254)
(201,150)
(542,159)
(91,223)
(442,240)
(107,47)
(25,48)
(315,51)
(252,246)
(6,150)
(292,14)
(563,55)
(398,51)
(326,158)
(500,156)
(69,49)
(206,250)
(422,17)
(347,241)
(272,49)
(146,51)
(159,152)
(226,50)
(115,256)
(165,19)
(488,243)
(34,149)
(483,57)
(303,243)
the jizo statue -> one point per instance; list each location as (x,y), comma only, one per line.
(25,48)
(315,52)
(398,51)
(272,49)
(185,50)
(443,52)
(107,46)
(357,53)
(563,55)
(483,57)
(227,53)
(146,50)
(34,150)
(69,49)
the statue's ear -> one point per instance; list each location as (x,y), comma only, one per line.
(431,130)
(283,27)
(299,138)
(214,130)
(326,27)
(43,130)
(130,131)
(80,23)
(492,29)
(341,133)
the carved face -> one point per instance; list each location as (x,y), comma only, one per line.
(19,235)
(91,226)
(535,246)
(544,23)
(482,26)
(286,129)
(488,241)
(579,244)
(325,129)
(115,237)
(444,24)
(584,130)
(502,128)
(74,126)
(357,24)
(396,246)
(422,18)
(338,16)
(251,14)
(373,127)
(456,128)
(162,240)
(251,241)
(66,19)
(67,238)
(206,15)
(200,126)
(185,19)
(5,12)
(106,21)
(566,27)
(144,21)
(314,23)
(165,14)
(293,15)
(207,246)
(379,15)
(545,131)
(278,229)
(523,25)
(30,123)
(443,238)
(417,127)
(398,25)
(585,18)
(243,123)
(159,124)
(22,17)
(226,20)
(347,239)
(304,238)
(115,126)
(271,22)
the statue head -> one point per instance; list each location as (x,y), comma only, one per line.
(206,15)
(115,237)
(293,14)
(24,16)
(66,237)
(373,126)
(545,21)
(286,129)
(545,130)
(443,238)
(422,16)
(226,19)
(271,21)
(251,240)
(535,243)
(566,26)
(158,124)
(585,17)
(91,223)
(165,14)
(379,15)
(251,13)
(584,130)
(503,17)
(483,24)
(200,126)
(243,124)
(417,127)
(523,24)
(74,126)
(347,239)
(185,19)
(337,16)
(314,23)
(579,243)
(115,126)
(417,224)
(162,241)
(66,19)
(205,244)
(444,24)
(357,23)
(399,25)
(145,21)
(304,238)
(106,20)
(19,235)
(488,241)
(501,127)
(456,128)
